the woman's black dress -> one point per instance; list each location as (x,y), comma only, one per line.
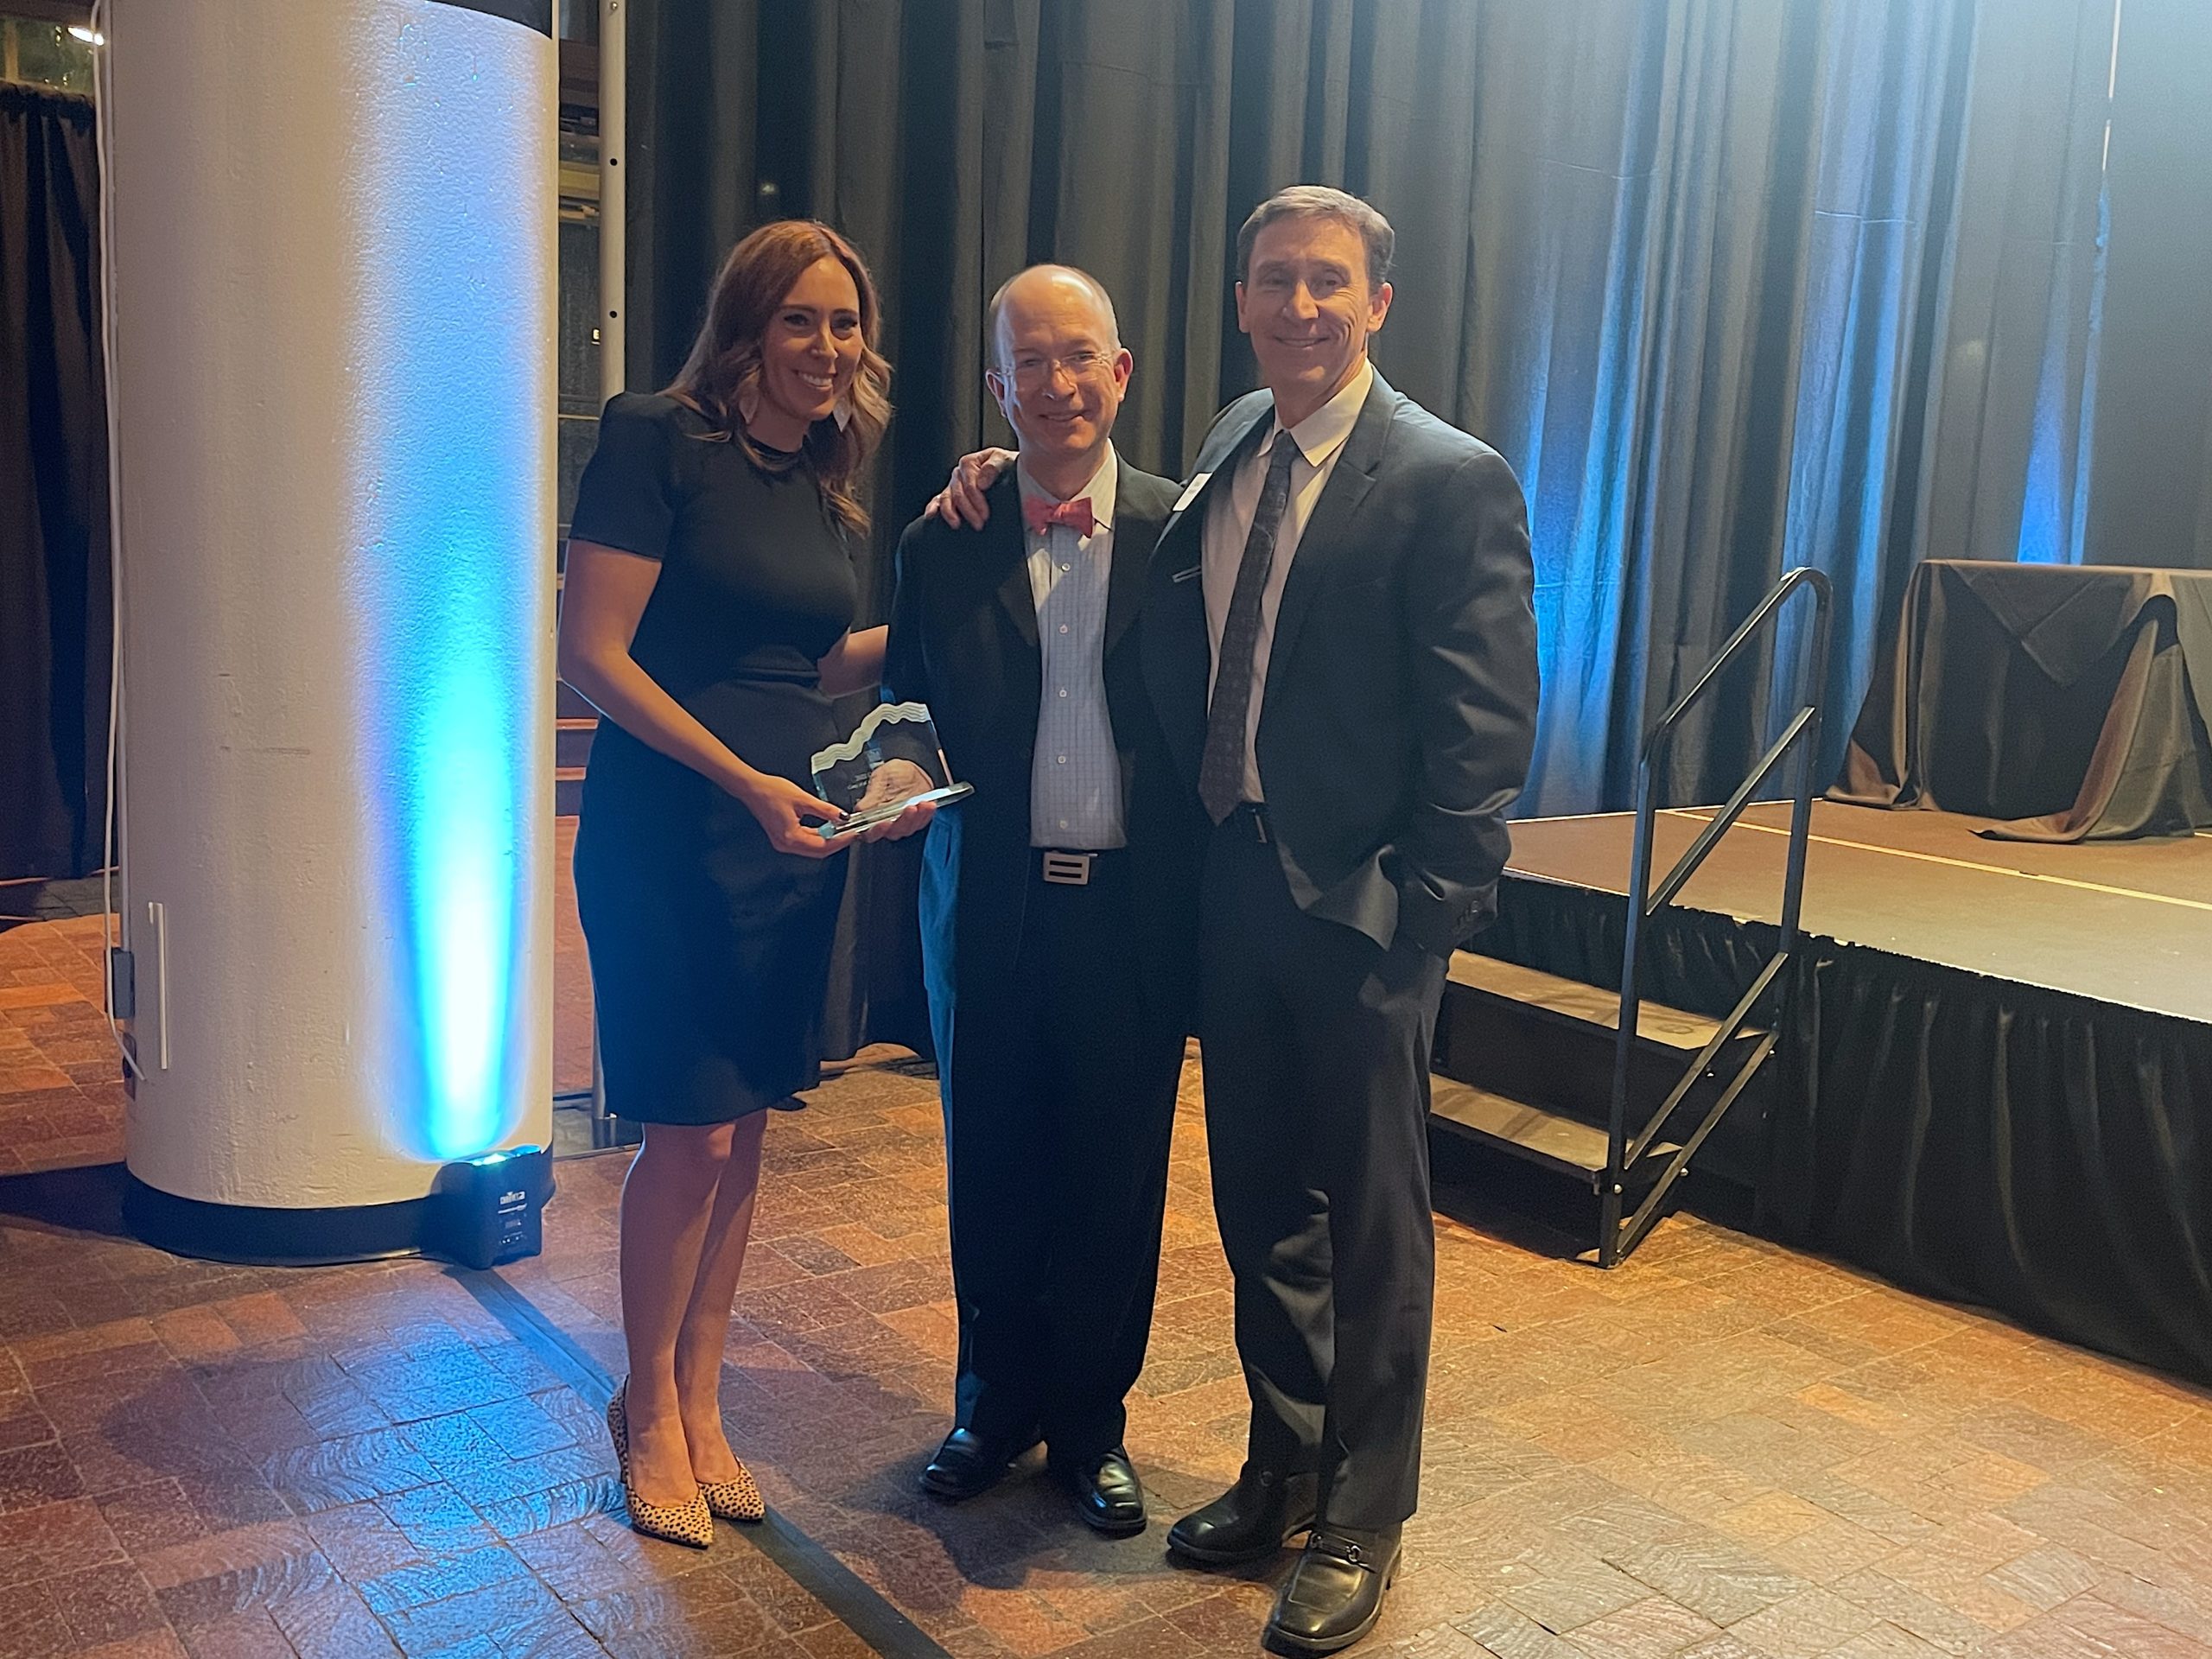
(709,949)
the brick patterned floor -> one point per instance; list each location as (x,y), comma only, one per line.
(62,1098)
(1722,1450)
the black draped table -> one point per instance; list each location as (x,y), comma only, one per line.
(2070,702)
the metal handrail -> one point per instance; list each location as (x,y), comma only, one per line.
(1802,734)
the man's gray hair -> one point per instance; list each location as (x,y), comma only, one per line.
(1321,201)
(998,306)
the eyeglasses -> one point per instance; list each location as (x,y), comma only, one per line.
(1030,371)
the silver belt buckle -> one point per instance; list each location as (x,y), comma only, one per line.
(1068,869)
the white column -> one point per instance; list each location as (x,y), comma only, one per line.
(333,233)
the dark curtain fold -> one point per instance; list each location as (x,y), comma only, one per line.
(2150,489)
(55,593)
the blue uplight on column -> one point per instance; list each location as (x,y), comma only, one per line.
(457,418)
(463,893)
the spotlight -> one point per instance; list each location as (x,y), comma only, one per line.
(89,36)
(489,1210)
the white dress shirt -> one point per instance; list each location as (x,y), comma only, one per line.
(1320,438)
(1075,779)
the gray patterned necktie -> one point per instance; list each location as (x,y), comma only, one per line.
(1221,769)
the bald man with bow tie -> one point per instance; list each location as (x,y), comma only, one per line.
(1058,910)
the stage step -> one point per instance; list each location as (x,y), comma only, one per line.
(1523,1064)
(1531,1036)
(1563,1145)
(568,791)
(1571,999)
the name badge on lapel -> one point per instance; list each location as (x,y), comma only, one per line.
(1190,491)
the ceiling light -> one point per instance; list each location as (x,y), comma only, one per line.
(88,36)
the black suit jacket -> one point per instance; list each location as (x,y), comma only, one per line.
(964,639)
(1399,714)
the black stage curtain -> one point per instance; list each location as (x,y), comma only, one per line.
(1973,1139)
(1733,287)
(2152,499)
(54,597)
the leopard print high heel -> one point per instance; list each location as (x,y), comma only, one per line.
(691,1523)
(736,1499)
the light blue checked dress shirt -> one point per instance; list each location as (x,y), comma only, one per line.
(1075,787)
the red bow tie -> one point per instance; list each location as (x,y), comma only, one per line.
(1041,515)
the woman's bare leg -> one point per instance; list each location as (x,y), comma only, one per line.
(669,1201)
(705,1332)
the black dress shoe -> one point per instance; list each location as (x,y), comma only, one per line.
(967,1464)
(1250,1521)
(1334,1595)
(1107,1493)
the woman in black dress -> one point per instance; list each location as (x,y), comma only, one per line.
(706,612)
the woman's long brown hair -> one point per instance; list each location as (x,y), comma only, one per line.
(725,361)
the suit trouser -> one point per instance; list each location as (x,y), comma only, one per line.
(1059,1105)
(1317,1044)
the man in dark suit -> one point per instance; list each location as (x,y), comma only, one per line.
(1340,646)
(1341,649)
(1057,910)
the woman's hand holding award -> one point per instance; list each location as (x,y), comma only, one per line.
(889,765)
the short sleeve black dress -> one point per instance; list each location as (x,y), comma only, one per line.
(709,949)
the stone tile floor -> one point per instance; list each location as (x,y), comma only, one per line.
(1722,1450)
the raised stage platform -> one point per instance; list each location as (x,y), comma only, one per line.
(1996,1083)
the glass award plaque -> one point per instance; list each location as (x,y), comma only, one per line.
(891,762)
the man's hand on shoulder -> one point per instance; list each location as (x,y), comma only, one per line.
(961,501)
